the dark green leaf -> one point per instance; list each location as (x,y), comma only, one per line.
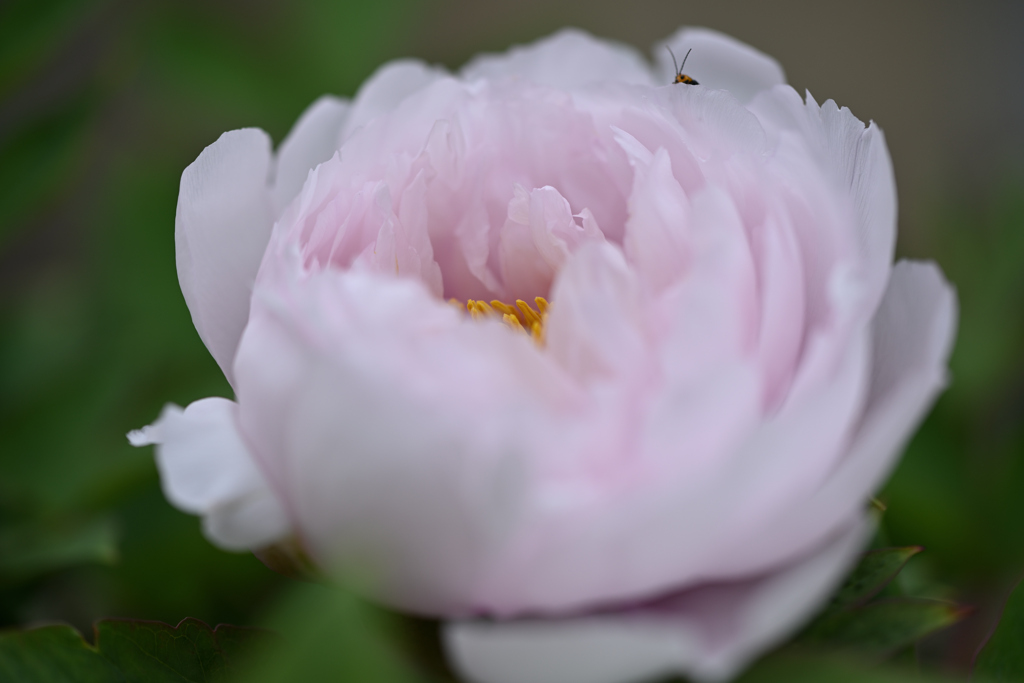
(881,628)
(875,570)
(154,652)
(127,652)
(791,666)
(1002,657)
(53,654)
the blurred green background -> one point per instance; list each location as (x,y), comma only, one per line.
(104,103)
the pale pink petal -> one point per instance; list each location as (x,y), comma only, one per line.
(595,287)
(644,527)
(537,237)
(656,240)
(221,228)
(206,469)
(652,530)
(385,90)
(719,61)
(312,140)
(913,334)
(707,633)
(403,244)
(567,59)
(378,393)
(857,159)
(781,291)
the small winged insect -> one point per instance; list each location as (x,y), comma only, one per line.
(680,76)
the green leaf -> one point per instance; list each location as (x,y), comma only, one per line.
(795,666)
(1001,658)
(127,652)
(880,628)
(874,572)
(53,654)
(329,635)
(154,652)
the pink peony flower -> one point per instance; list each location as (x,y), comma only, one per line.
(679,360)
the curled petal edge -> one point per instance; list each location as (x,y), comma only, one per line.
(206,469)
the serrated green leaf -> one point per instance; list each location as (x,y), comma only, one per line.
(875,570)
(127,651)
(880,628)
(53,654)
(154,652)
(1001,658)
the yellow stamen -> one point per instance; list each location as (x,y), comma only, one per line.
(503,307)
(530,316)
(521,318)
(513,322)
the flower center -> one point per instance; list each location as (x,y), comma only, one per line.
(522,317)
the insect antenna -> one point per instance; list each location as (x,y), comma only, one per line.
(679,67)
(674,64)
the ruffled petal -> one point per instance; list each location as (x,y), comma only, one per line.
(221,229)
(206,469)
(567,59)
(537,237)
(857,160)
(312,140)
(657,232)
(385,89)
(707,633)
(719,61)
(913,333)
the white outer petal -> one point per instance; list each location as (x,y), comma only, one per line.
(206,469)
(385,89)
(718,61)
(858,160)
(567,59)
(709,633)
(221,229)
(312,140)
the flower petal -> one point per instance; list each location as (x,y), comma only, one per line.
(857,159)
(596,286)
(707,633)
(719,61)
(221,229)
(567,59)
(399,429)
(205,468)
(385,90)
(312,140)
(913,333)
(537,237)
